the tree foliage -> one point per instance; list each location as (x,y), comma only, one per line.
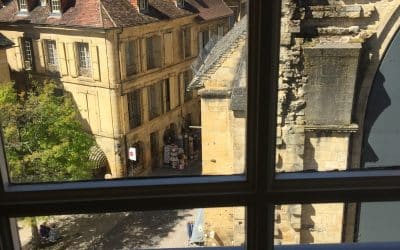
(44,139)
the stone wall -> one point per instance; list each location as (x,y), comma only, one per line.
(325,46)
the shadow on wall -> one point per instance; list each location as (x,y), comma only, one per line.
(378,101)
(22,80)
(309,155)
(307,224)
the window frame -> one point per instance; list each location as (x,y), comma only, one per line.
(52,61)
(28,55)
(85,65)
(132,59)
(259,190)
(186,44)
(151,52)
(133,122)
(23,5)
(55,3)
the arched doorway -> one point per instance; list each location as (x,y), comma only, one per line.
(100,162)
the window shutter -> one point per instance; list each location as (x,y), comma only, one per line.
(168,50)
(200,42)
(19,53)
(42,51)
(94,54)
(123,51)
(72,59)
(62,62)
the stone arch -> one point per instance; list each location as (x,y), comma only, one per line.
(99,159)
(374,52)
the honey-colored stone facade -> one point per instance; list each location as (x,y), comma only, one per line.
(102,95)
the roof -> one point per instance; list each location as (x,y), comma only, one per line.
(5,42)
(114,13)
(221,51)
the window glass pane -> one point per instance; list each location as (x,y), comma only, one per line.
(337,96)
(382,123)
(329,223)
(132,59)
(127,105)
(136,230)
(55,6)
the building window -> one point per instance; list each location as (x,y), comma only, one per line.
(52,59)
(84,59)
(155,94)
(28,53)
(23,5)
(153,52)
(204,37)
(131,58)
(220,31)
(186,41)
(143,5)
(187,78)
(55,6)
(180,3)
(135,108)
(167,95)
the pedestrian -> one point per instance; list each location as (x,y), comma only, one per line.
(44,231)
(54,235)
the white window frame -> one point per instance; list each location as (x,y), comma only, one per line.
(28,57)
(51,50)
(23,5)
(83,58)
(56,6)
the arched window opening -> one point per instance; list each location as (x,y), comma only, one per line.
(378,221)
(382,121)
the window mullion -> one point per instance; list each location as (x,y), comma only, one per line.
(6,239)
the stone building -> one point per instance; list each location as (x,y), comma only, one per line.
(222,84)
(126,63)
(337,102)
(4,68)
(329,57)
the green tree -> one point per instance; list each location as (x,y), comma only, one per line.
(44,139)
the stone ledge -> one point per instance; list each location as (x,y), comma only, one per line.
(350,128)
(215,93)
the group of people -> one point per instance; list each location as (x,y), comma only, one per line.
(49,234)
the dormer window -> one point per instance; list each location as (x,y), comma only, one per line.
(55,6)
(143,5)
(180,3)
(23,5)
